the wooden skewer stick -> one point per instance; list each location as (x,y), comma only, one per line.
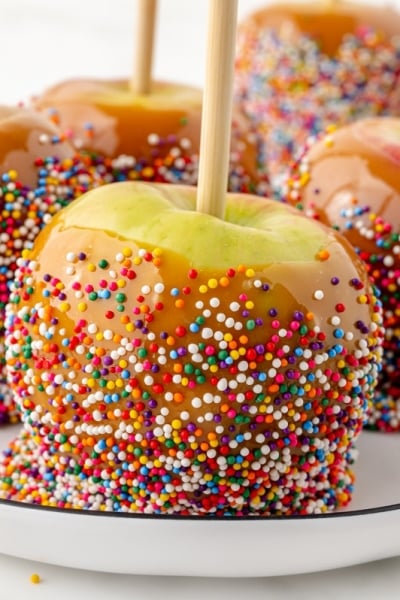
(217,107)
(144,44)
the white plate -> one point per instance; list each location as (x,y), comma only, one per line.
(254,547)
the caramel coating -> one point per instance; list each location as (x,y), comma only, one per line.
(349,177)
(26,136)
(105,116)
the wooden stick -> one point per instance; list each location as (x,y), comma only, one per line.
(144,42)
(217,107)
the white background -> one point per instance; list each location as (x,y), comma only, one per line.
(42,42)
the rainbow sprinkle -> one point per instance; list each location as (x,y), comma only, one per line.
(293,91)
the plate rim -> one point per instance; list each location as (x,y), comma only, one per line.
(322,534)
(360,512)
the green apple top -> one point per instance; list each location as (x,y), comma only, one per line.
(255,231)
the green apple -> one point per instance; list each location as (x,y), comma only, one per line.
(182,364)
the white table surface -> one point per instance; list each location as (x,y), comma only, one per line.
(42,42)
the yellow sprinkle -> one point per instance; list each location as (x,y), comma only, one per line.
(82,306)
(35,578)
(127,252)
(203,289)
(304,179)
(91,267)
(212,283)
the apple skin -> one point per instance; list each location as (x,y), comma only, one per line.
(349,179)
(107,117)
(236,356)
(26,136)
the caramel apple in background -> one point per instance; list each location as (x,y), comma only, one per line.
(107,117)
(145,118)
(27,140)
(349,179)
(187,351)
(303,66)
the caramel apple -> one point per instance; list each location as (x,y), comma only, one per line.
(303,66)
(349,179)
(109,118)
(27,141)
(170,362)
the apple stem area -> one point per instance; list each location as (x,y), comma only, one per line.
(217,107)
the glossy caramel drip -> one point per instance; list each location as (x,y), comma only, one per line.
(26,136)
